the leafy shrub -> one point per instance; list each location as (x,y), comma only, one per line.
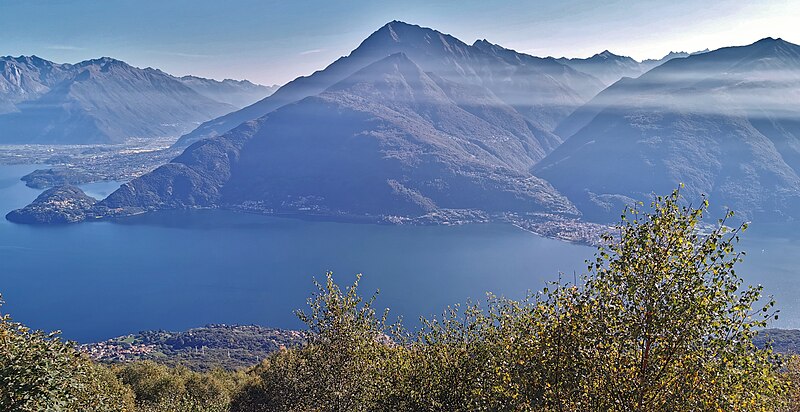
(40,372)
(661,321)
(161,388)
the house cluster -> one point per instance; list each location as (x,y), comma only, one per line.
(116,351)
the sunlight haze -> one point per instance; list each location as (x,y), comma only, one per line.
(272,42)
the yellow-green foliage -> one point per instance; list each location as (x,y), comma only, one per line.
(346,365)
(660,322)
(160,388)
(39,372)
(791,376)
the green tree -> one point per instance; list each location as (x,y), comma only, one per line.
(345,366)
(662,322)
(40,372)
(164,389)
(790,401)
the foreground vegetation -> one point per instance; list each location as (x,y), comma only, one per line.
(661,321)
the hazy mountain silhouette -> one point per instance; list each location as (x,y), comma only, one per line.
(610,67)
(541,90)
(386,141)
(466,135)
(106,101)
(649,64)
(28,77)
(237,93)
(726,123)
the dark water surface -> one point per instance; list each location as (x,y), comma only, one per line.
(182,269)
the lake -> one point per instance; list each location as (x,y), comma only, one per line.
(176,270)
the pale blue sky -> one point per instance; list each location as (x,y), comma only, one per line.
(275,41)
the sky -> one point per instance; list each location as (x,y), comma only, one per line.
(273,42)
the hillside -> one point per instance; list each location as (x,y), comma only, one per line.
(386,142)
(107,101)
(225,346)
(522,82)
(725,123)
(610,68)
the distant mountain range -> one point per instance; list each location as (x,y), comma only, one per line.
(389,140)
(541,91)
(237,93)
(726,123)
(416,126)
(609,67)
(107,101)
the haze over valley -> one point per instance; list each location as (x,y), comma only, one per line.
(416,126)
(586,209)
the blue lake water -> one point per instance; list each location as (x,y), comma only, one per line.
(182,269)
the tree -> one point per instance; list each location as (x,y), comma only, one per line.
(662,321)
(346,365)
(163,389)
(40,372)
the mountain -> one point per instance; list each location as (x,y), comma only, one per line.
(610,67)
(107,101)
(606,66)
(27,77)
(58,205)
(649,64)
(464,137)
(726,123)
(237,93)
(388,143)
(541,90)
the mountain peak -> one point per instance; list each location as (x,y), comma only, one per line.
(399,23)
(394,29)
(765,48)
(605,54)
(396,32)
(486,46)
(32,60)
(491,48)
(773,42)
(674,54)
(104,62)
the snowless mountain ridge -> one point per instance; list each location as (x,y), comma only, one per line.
(106,100)
(416,126)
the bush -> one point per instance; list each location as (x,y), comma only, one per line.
(39,372)
(661,321)
(346,364)
(164,389)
